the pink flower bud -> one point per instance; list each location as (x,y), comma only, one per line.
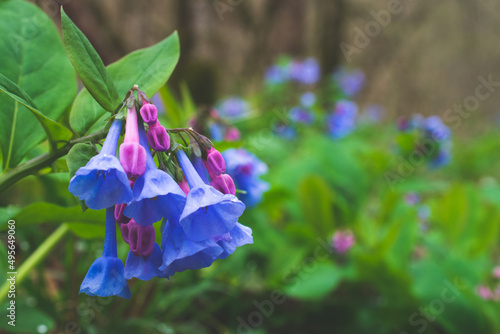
(141,239)
(224,183)
(158,137)
(149,113)
(119,216)
(133,159)
(215,162)
(342,241)
(232,134)
(184,185)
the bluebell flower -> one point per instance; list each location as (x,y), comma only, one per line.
(240,235)
(245,169)
(208,212)
(106,275)
(441,159)
(301,115)
(436,129)
(158,102)
(277,74)
(343,120)
(308,99)
(216,131)
(144,267)
(350,82)
(373,113)
(103,183)
(154,192)
(285,131)
(181,253)
(234,108)
(306,72)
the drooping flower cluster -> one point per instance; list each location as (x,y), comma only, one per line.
(427,136)
(191,196)
(245,168)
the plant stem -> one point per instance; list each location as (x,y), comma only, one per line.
(35,258)
(15,174)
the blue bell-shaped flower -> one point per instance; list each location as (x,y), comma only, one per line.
(105,276)
(207,213)
(155,192)
(103,183)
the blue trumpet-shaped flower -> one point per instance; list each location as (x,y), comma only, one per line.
(105,276)
(103,183)
(181,253)
(155,192)
(208,212)
(144,267)
(245,169)
(239,236)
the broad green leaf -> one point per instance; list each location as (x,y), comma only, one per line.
(78,157)
(34,59)
(315,281)
(88,231)
(40,213)
(316,200)
(88,65)
(56,133)
(149,68)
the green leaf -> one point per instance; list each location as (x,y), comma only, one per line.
(317,199)
(89,65)
(88,231)
(78,157)
(40,213)
(56,133)
(314,282)
(34,59)
(149,68)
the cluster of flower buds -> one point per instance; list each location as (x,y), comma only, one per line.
(192,199)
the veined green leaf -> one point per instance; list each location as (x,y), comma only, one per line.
(33,58)
(88,65)
(56,133)
(148,68)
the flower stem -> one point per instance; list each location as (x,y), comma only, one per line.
(32,166)
(35,258)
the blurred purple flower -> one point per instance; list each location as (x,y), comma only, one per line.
(496,272)
(373,113)
(308,99)
(412,198)
(306,72)
(277,74)
(343,119)
(349,81)
(245,169)
(301,115)
(233,108)
(342,241)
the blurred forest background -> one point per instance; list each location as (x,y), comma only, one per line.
(431,46)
